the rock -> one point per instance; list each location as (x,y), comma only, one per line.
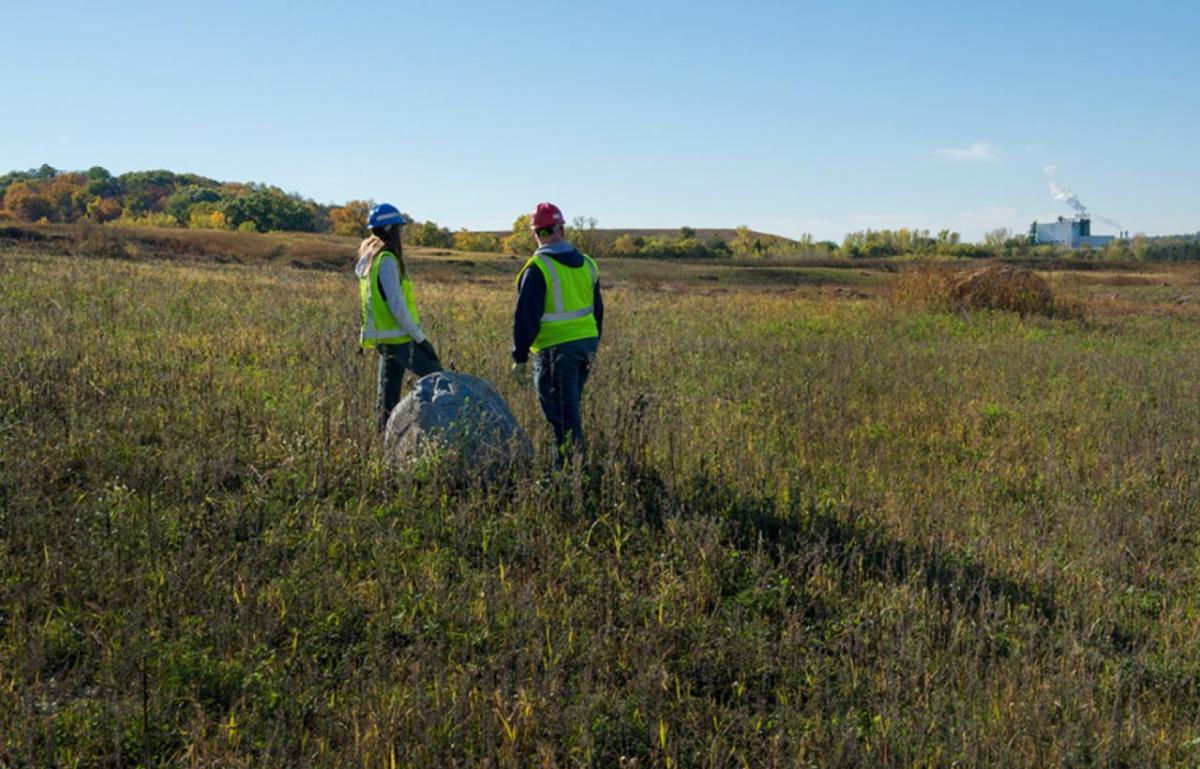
(459,417)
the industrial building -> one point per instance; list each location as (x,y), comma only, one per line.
(1075,232)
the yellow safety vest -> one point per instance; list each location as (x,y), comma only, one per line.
(568,314)
(379,326)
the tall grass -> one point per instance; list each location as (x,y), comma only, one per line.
(811,532)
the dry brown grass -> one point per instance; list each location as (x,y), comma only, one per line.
(1168,276)
(923,286)
(1006,289)
(323,252)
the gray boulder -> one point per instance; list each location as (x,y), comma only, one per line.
(457,417)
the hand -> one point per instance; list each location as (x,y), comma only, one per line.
(426,347)
(518,373)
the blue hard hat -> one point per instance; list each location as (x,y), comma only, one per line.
(384,215)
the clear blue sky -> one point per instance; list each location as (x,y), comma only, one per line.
(789,117)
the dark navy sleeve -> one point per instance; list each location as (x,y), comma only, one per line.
(598,310)
(527,319)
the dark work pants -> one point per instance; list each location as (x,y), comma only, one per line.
(394,360)
(560,372)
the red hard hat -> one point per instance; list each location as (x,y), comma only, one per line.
(545,216)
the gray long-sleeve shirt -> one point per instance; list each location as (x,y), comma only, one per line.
(389,285)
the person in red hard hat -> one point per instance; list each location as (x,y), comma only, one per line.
(559,318)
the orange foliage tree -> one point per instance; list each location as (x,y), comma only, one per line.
(24,201)
(350,219)
(61,198)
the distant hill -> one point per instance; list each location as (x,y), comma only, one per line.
(163,198)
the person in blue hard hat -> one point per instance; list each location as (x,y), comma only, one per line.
(390,322)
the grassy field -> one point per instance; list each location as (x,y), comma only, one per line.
(817,528)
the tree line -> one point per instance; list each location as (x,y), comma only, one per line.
(163,198)
(155,199)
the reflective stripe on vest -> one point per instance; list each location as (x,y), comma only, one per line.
(556,291)
(568,312)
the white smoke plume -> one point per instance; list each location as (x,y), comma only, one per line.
(1069,197)
(1062,193)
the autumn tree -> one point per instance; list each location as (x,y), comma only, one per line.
(717,247)
(428,234)
(486,242)
(584,236)
(521,241)
(23,200)
(207,216)
(627,245)
(180,203)
(59,198)
(350,219)
(147,191)
(947,238)
(746,243)
(103,209)
(33,174)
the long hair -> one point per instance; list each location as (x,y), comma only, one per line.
(390,236)
(381,239)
